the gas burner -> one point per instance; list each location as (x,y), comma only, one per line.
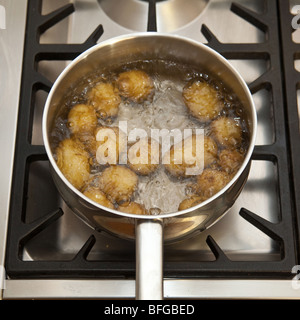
(134,14)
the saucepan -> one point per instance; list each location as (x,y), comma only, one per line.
(150,231)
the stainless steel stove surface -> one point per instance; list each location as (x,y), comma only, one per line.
(232,259)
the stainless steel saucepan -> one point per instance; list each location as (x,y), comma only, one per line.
(149,231)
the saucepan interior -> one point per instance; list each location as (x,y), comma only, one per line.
(149,46)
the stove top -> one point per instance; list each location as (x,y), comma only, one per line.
(252,252)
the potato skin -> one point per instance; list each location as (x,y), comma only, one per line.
(105,98)
(98,196)
(118,183)
(190,202)
(227,132)
(87,140)
(135,85)
(189,145)
(211,181)
(142,166)
(82,119)
(202,100)
(230,160)
(132,207)
(73,162)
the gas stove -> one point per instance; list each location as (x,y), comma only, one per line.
(253,252)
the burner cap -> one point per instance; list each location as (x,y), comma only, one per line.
(170,14)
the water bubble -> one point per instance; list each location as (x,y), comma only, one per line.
(204,76)
(229,97)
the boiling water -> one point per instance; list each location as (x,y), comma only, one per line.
(159,192)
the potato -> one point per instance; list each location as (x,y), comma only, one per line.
(202,100)
(211,181)
(118,183)
(230,160)
(135,85)
(105,99)
(227,132)
(132,207)
(82,119)
(98,196)
(186,157)
(143,156)
(191,202)
(73,161)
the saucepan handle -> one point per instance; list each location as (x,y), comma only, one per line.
(149,259)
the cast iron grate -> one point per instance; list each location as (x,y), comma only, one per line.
(21,231)
(291,53)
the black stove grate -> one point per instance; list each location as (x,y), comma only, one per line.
(284,233)
(291,53)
